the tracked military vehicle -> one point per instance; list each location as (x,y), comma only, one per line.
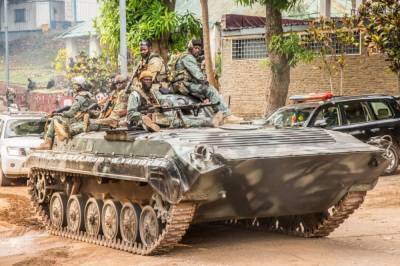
(139,192)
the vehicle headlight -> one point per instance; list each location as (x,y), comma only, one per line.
(16,151)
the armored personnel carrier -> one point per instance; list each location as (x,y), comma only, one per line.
(139,192)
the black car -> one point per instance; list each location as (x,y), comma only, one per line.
(363,117)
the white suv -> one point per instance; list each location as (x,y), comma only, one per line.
(19,132)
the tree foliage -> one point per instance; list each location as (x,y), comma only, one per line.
(146,19)
(381,26)
(279,4)
(331,38)
(292,47)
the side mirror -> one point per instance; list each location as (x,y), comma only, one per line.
(320,123)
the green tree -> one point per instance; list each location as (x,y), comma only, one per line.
(279,62)
(331,38)
(381,28)
(155,20)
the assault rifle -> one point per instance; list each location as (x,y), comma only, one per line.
(127,90)
(196,107)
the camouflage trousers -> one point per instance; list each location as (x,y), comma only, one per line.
(50,134)
(212,95)
(173,120)
(79,127)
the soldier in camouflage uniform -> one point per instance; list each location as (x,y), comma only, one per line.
(60,122)
(146,95)
(188,79)
(152,62)
(119,104)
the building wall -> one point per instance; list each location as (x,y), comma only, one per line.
(30,16)
(85,10)
(245,82)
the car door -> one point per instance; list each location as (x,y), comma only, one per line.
(385,117)
(357,119)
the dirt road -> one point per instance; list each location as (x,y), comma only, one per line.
(370,237)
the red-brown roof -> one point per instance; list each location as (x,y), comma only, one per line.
(234,22)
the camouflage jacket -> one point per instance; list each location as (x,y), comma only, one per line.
(139,101)
(82,101)
(155,64)
(188,63)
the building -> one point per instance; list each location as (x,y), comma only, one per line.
(25,16)
(245,74)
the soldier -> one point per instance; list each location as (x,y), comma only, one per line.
(59,122)
(10,95)
(146,95)
(119,103)
(152,62)
(187,78)
(141,98)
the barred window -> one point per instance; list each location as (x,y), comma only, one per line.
(19,15)
(249,49)
(336,45)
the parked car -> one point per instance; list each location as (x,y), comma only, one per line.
(363,117)
(19,133)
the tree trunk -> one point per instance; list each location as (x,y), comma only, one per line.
(206,41)
(280,69)
(160,46)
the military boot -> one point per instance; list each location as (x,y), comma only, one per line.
(232,119)
(62,131)
(47,144)
(217,119)
(149,125)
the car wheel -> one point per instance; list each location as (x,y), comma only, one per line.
(393,154)
(4,181)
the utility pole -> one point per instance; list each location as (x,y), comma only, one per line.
(6,59)
(74,11)
(123,50)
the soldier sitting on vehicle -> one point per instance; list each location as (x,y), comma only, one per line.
(152,62)
(187,78)
(60,122)
(146,97)
(116,106)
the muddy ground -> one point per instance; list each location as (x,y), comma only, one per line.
(370,237)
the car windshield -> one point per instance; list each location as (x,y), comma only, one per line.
(290,117)
(23,128)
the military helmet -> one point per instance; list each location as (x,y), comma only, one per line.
(145,74)
(80,83)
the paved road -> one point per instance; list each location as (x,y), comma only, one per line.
(370,237)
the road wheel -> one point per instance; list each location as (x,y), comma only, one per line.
(149,226)
(75,208)
(129,222)
(93,216)
(393,154)
(58,205)
(110,219)
(4,181)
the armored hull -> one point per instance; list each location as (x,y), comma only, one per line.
(140,192)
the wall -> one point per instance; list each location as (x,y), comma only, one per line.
(30,16)
(85,10)
(246,81)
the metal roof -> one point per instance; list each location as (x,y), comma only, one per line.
(82,29)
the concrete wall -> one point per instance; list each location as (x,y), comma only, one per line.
(246,81)
(86,10)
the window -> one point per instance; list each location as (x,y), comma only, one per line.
(19,15)
(21,128)
(337,46)
(290,117)
(249,49)
(356,112)
(1,127)
(327,116)
(381,110)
